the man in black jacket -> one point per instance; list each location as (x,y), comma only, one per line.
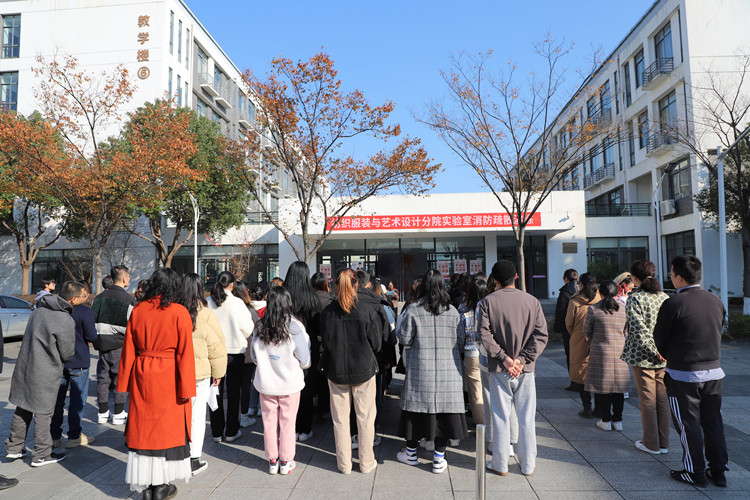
(688,335)
(570,277)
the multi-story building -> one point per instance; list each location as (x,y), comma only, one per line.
(638,175)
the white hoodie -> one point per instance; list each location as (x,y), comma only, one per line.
(235,320)
(279,367)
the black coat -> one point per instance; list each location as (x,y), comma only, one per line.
(350,342)
(566,292)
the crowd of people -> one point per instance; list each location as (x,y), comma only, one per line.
(302,347)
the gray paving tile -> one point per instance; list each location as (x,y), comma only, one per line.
(553,475)
(224,493)
(594,452)
(621,475)
(575,495)
(664,494)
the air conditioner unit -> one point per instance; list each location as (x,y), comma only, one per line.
(667,207)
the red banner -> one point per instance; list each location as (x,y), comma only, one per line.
(426,221)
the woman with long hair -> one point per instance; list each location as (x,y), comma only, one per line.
(351,337)
(210,361)
(642,308)
(249,397)
(281,350)
(607,376)
(306,308)
(432,403)
(157,368)
(237,325)
(587,296)
(468,345)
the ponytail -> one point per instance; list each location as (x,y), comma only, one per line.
(218,292)
(346,286)
(644,270)
(608,289)
(588,284)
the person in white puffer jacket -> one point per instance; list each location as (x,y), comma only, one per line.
(281,351)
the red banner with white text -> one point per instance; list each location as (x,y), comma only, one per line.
(426,221)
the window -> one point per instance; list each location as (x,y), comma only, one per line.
(663,43)
(187,48)
(217,79)
(179,41)
(179,91)
(593,160)
(11,36)
(617,94)
(591,107)
(251,111)
(169,83)
(679,182)
(643,129)
(9,91)
(679,244)
(241,108)
(215,117)
(640,66)
(631,144)
(187,96)
(202,62)
(605,101)
(201,108)
(628,95)
(611,255)
(171,32)
(609,151)
(668,114)
(619,149)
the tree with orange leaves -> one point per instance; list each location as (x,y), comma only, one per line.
(506,132)
(304,121)
(27,201)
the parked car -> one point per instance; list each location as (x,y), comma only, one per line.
(14,314)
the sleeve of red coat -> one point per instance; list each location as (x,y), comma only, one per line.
(127,360)
(184,355)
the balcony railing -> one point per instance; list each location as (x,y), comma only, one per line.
(602,118)
(208,84)
(602,174)
(261,218)
(661,66)
(619,210)
(657,141)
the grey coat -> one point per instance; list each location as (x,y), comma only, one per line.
(48,342)
(433,382)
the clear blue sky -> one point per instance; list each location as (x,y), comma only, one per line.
(396,49)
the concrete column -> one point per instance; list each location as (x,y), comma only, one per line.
(490,251)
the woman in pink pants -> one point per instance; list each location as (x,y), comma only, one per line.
(281,351)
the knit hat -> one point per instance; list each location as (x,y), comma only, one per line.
(621,277)
(503,271)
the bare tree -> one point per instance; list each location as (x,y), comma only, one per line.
(507,132)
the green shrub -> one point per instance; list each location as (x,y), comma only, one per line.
(739,326)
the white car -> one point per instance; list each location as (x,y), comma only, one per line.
(14,314)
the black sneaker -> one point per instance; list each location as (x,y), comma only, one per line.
(196,466)
(684,476)
(9,482)
(164,491)
(53,458)
(716,476)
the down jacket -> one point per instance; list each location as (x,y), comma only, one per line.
(208,344)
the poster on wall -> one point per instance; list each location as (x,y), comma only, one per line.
(475,266)
(459,266)
(326,270)
(358,265)
(444,266)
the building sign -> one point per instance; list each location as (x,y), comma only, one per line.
(475,266)
(142,55)
(426,221)
(459,266)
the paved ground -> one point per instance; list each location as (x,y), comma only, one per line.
(576,460)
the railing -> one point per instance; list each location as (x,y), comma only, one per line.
(208,84)
(661,66)
(619,210)
(657,140)
(601,118)
(605,172)
(261,218)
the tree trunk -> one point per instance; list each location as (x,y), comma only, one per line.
(96,272)
(26,278)
(521,258)
(746,271)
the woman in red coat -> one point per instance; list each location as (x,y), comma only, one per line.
(157,368)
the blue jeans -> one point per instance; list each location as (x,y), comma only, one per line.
(78,380)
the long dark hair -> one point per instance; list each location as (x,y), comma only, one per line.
(644,270)
(165,282)
(609,290)
(275,328)
(415,291)
(319,282)
(477,291)
(588,282)
(434,297)
(304,301)
(223,280)
(193,294)
(258,291)
(240,291)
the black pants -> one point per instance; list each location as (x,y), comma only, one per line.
(610,406)
(248,372)
(233,381)
(440,444)
(696,413)
(566,345)
(585,397)
(306,410)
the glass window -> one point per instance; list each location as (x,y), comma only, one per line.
(609,256)
(617,94)
(215,117)
(591,107)
(217,78)
(251,111)
(643,129)
(179,91)
(169,83)
(171,32)
(628,95)
(179,41)
(609,151)
(679,182)
(619,149)
(11,42)
(605,101)
(668,113)
(640,66)
(678,244)
(201,108)
(663,43)
(631,144)
(202,62)
(187,48)
(593,160)
(187,96)
(9,91)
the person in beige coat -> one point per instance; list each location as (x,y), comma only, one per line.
(579,305)
(210,361)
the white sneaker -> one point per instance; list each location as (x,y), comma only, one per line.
(427,445)
(404,457)
(235,437)
(640,446)
(246,421)
(355,442)
(103,417)
(512,452)
(617,426)
(273,467)
(287,467)
(217,439)
(439,466)
(605,426)
(120,418)
(663,451)
(304,436)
